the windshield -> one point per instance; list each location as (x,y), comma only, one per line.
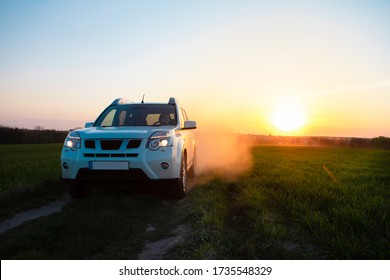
(138,115)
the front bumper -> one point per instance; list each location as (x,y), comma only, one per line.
(142,164)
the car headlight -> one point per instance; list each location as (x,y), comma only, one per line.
(73,141)
(158,140)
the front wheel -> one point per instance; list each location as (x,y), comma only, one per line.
(178,189)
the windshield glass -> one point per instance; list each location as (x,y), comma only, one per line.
(138,115)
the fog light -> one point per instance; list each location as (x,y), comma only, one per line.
(164,165)
(65,165)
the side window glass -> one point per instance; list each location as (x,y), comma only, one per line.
(109,119)
(121,118)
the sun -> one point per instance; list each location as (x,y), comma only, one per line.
(289,116)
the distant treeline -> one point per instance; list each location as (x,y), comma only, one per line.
(9,135)
(380,142)
(38,135)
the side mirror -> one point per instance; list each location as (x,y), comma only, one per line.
(88,124)
(189,124)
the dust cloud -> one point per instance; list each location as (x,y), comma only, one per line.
(223,153)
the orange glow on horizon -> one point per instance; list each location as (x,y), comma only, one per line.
(288,116)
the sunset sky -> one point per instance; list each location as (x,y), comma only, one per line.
(241,66)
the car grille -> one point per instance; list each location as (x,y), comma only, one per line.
(112,145)
(90,144)
(134,143)
(98,155)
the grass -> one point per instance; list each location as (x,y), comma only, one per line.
(106,225)
(30,175)
(294,203)
(297,203)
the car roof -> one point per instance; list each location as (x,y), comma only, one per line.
(122,101)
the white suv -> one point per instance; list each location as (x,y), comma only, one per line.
(135,142)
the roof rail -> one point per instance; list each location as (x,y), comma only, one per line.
(172,101)
(121,101)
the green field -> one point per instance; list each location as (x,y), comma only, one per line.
(30,174)
(299,202)
(294,203)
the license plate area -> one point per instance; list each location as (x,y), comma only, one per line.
(109,165)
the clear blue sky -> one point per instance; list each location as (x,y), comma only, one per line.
(231,63)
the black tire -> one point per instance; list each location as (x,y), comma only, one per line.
(178,189)
(192,171)
(78,190)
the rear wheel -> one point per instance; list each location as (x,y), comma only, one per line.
(192,170)
(178,189)
(78,190)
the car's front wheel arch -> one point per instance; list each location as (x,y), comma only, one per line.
(179,188)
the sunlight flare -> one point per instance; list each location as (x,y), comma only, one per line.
(289,116)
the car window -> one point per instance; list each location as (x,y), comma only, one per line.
(108,119)
(138,115)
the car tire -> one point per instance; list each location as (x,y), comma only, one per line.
(192,171)
(178,189)
(78,190)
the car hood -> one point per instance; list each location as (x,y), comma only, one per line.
(120,132)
